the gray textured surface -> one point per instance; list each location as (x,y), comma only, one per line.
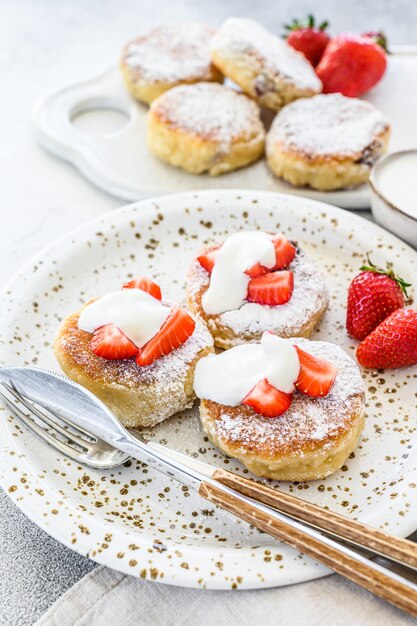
(45,43)
(35,569)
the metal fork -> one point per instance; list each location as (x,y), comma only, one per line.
(74,441)
(65,415)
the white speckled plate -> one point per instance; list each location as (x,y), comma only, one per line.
(116,158)
(137,521)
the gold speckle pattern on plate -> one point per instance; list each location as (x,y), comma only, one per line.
(136,520)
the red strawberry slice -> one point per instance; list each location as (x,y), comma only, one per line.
(257,270)
(207,259)
(273,288)
(110,343)
(284,254)
(146,284)
(173,333)
(316,376)
(284,251)
(267,401)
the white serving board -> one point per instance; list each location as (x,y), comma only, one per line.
(119,163)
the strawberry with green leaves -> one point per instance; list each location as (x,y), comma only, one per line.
(372,296)
(308,38)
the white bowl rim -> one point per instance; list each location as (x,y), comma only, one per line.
(374,184)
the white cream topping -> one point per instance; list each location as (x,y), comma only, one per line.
(138,314)
(228,377)
(228,287)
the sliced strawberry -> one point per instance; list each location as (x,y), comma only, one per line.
(257,270)
(173,333)
(146,284)
(284,251)
(267,401)
(273,288)
(110,343)
(316,376)
(207,259)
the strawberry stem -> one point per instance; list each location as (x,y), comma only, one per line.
(310,22)
(389,271)
(378,37)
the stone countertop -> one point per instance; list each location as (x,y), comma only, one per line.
(44,44)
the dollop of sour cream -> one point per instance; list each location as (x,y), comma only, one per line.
(228,287)
(397,181)
(138,314)
(227,378)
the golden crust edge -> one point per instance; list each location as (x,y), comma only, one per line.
(314,465)
(321,172)
(196,154)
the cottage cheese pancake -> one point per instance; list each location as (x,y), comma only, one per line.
(167,56)
(326,142)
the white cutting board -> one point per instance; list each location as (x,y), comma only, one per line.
(118,162)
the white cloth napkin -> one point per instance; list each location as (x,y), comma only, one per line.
(107,598)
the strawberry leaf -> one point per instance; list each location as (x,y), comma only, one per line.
(309,22)
(388,271)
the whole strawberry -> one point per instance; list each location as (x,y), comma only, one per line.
(351,65)
(392,344)
(372,296)
(308,38)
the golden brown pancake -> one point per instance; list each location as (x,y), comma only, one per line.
(166,56)
(311,440)
(326,142)
(297,318)
(205,127)
(138,396)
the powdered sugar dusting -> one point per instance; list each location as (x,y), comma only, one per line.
(238,37)
(309,296)
(167,371)
(327,125)
(308,420)
(171,53)
(210,111)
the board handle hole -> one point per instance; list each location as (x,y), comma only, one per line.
(100,116)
